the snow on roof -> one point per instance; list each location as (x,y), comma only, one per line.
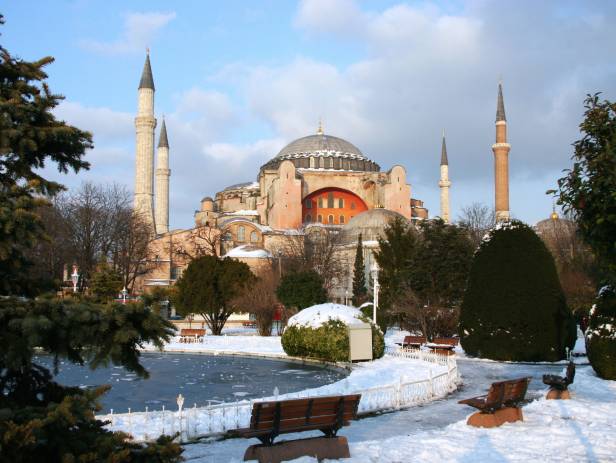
(317,315)
(243,212)
(247,250)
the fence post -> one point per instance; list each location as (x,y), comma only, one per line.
(399,393)
(431,384)
(130,423)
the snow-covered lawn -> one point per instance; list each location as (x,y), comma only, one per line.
(582,429)
(257,345)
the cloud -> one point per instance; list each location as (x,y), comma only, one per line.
(339,17)
(235,154)
(139,32)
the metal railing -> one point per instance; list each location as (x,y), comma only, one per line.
(195,422)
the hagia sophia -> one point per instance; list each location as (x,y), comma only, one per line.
(316,184)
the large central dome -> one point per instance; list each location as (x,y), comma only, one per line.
(321,151)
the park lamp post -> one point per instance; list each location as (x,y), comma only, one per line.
(75,278)
(346,297)
(124,295)
(374,270)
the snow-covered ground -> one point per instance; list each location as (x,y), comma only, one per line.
(240,344)
(578,430)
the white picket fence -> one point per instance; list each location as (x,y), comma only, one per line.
(195,422)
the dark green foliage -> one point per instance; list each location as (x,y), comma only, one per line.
(514,307)
(106,282)
(588,191)
(423,275)
(301,289)
(41,420)
(208,286)
(328,342)
(382,320)
(359,276)
(30,137)
(601,334)
(394,257)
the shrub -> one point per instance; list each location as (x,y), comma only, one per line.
(514,307)
(301,289)
(601,334)
(328,342)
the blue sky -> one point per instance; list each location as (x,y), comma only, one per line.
(237,80)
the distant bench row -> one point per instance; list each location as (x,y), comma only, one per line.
(444,346)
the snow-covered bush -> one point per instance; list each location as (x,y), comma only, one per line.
(601,334)
(321,332)
(514,307)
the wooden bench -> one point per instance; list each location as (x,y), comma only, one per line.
(559,384)
(499,405)
(326,414)
(413,341)
(443,346)
(192,334)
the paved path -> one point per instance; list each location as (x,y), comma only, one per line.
(477,376)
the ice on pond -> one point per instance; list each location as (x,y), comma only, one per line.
(241,393)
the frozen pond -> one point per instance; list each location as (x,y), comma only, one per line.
(199,378)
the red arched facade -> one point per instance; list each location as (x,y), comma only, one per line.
(333,206)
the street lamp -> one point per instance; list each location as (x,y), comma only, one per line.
(374,270)
(280,263)
(124,295)
(346,297)
(75,277)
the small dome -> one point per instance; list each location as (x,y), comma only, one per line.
(249,251)
(370,224)
(320,143)
(207,198)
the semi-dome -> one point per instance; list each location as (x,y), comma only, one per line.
(321,151)
(370,224)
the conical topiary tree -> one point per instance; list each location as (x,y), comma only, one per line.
(601,334)
(514,307)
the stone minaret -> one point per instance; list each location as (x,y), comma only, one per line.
(144,162)
(162,182)
(444,183)
(501,161)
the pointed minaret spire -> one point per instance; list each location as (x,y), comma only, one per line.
(444,182)
(444,161)
(147,81)
(500,105)
(145,123)
(501,161)
(320,128)
(163,173)
(163,142)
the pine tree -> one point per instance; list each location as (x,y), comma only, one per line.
(359,276)
(301,289)
(514,307)
(106,282)
(601,334)
(41,420)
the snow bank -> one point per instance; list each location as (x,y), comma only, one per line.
(318,315)
(255,345)
(581,429)
(247,250)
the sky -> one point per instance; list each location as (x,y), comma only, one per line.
(238,80)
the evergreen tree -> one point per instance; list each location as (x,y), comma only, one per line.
(394,257)
(438,273)
(359,276)
(514,307)
(208,287)
(41,420)
(106,282)
(601,334)
(301,289)
(588,191)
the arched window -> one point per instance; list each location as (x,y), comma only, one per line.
(241,233)
(341,203)
(330,219)
(330,199)
(254,237)
(312,161)
(341,219)
(321,201)
(308,218)
(320,218)
(308,204)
